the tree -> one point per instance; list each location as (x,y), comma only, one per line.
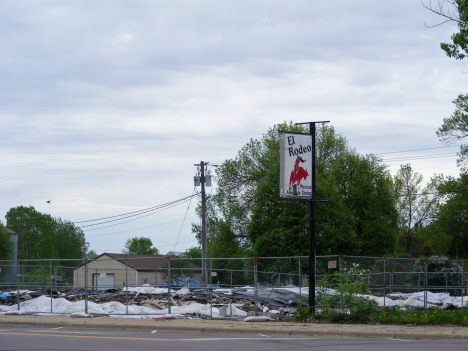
(245,217)
(454,11)
(68,239)
(40,236)
(365,187)
(91,254)
(416,205)
(36,237)
(6,244)
(452,220)
(455,128)
(140,246)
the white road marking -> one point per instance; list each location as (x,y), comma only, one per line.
(266,336)
(221,339)
(398,339)
(154,331)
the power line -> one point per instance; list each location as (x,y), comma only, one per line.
(130,220)
(194,190)
(132,230)
(423,157)
(184,242)
(124,214)
(429,148)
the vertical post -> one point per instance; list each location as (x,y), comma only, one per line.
(425,284)
(126,286)
(211,290)
(312,228)
(55,277)
(300,280)
(50,284)
(462,283)
(86,285)
(255,286)
(384,279)
(17,284)
(203,195)
(169,286)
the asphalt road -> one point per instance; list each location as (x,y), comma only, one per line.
(37,338)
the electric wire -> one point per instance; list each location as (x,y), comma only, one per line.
(134,219)
(154,209)
(183,222)
(132,230)
(423,157)
(129,213)
(429,148)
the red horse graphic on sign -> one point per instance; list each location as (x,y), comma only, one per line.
(298,173)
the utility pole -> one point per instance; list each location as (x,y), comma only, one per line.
(203,180)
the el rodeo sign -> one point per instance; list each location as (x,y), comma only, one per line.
(295,165)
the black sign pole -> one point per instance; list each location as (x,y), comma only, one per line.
(312,228)
(311,202)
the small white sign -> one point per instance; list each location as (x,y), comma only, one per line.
(102,274)
(331,264)
(214,274)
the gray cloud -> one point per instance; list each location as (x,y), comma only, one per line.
(105,106)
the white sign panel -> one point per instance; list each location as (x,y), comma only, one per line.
(295,165)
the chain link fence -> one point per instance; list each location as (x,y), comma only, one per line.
(162,286)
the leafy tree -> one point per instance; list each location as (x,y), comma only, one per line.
(454,11)
(40,236)
(91,254)
(194,252)
(455,128)
(452,219)
(6,244)
(68,239)
(246,216)
(141,246)
(365,185)
(416,205)
(36,233)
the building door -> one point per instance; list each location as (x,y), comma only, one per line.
(103,281)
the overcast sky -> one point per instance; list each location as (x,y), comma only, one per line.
(105,106)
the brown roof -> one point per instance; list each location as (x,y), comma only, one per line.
(143,262)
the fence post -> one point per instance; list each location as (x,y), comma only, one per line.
(211,290)
(255,286)
(86,285)
(126,286)
(462,283)
(425,284)
(55,277)
(300,281)
(384,280)
(17,284)
(169,286)
(50,284)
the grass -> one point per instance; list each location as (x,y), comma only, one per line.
(427,317)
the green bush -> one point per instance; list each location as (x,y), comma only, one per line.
(342,301)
